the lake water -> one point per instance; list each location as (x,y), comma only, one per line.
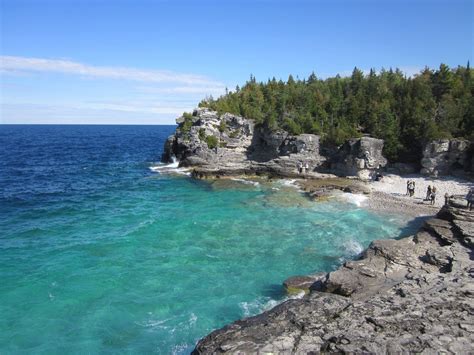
(99,253)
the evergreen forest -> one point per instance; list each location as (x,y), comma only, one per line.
(405,111)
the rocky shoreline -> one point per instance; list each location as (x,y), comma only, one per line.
(216,144)
(409,295)
(415,294)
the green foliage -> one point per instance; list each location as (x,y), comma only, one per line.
(405,111)
(202,134)
(188,122)
(212,142)
(222,126)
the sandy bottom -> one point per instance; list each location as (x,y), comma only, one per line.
(389,195)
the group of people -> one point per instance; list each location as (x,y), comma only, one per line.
(430,192)
(303,168)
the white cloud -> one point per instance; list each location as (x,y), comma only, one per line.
(159,98)
(12,64)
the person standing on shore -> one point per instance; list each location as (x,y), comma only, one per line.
(446,199)
(428,193)
(433,195)
(300,167)
(408,188)
(470,198)
(411,188)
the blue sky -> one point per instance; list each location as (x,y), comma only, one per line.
(145,62)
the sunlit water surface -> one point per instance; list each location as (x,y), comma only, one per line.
(98,253)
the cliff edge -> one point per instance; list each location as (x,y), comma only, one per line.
(414,294)
(228,144)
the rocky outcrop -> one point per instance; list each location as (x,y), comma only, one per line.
(415,294)
(304,283)
(211,142)
(228,144)
(444,156)
(359,157)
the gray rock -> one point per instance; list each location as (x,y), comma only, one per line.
(442,157)
(415,294)
(359,157)
(240,147)
(296,284)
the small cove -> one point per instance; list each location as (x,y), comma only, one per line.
(99,253)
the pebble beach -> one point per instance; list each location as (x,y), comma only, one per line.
(389,194)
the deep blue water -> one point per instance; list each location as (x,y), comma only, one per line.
(100,254)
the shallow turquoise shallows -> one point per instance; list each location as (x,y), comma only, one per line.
(98,254)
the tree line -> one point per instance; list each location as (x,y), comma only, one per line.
(405,111)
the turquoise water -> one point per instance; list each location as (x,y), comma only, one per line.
(98,254)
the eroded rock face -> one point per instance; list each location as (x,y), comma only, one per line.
(415,294)
(442,157)
(359,157)
(230,144)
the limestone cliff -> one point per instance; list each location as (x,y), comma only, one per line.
(228,144)
(444,156)
(359,157)
(410,295)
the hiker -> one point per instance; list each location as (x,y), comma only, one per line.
(470,198)
(300,167)
(411,188)
(446,199)
(408,187)
(433,195)
(428,193)
(306,167)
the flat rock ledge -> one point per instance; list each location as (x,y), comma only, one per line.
(414,294)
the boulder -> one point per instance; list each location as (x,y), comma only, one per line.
(359,157)
(305,283)
(443,156)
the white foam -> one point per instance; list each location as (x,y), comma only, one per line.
(263,304)
(154,323)
(352,247)
(171,168)
(247,182)
(355,199)
(181,349)
(192,319)
(288,182)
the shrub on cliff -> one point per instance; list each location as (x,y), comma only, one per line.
(188,122)
(212,142)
